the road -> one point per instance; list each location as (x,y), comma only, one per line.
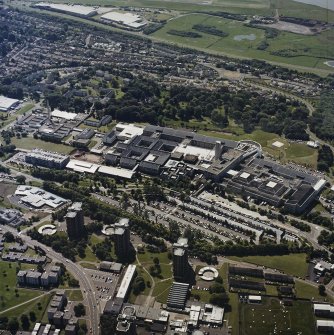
(76,270)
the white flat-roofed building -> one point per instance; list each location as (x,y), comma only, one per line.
(325,326)
(63,115)
(128,131)
(254,299)
(126,282)
(126,19)
(325,310)
(37,197)
(213,314)
(116,172)
(7,103)
(81,166)
(78,10)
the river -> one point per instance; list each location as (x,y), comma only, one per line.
(320,3)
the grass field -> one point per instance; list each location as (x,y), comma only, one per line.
(74,295)
(298,153)
(309,51)
(8,295)
(38,306)
(306,291)
(293,264)
(161,290)
(146,260)
(29,143)
(272,318)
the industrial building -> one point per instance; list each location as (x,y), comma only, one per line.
(48,159)
(6,104)
(76,10)
(125,19)
(75,221)
(180,260)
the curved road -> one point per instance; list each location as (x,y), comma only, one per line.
(76,270)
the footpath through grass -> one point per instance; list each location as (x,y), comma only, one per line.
(10,294)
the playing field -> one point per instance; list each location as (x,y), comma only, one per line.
(273,318)
(293,264)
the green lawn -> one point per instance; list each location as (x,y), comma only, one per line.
(88,265)
(142,273)
(306,291)
(161,290)
(29,143)
(8,297)
(273,318)
(146,260)
(74,295)
(38,306)
(89,256)
(25,109)
(94,239)
(293,264)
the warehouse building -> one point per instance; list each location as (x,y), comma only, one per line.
(126,19)
(6,104)
(76,10)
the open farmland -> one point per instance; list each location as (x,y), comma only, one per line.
(289,48)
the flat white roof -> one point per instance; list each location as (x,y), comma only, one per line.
(37,197)
(128,19)
(271,184)
(128,130)
(126,281)
(81,166)
(63,115)
(325,323)
(201,153)
(320,184)
(6,103)
(115,171)
(244,175)
(278,144)
(255,297)
(76,9)
(232,172)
